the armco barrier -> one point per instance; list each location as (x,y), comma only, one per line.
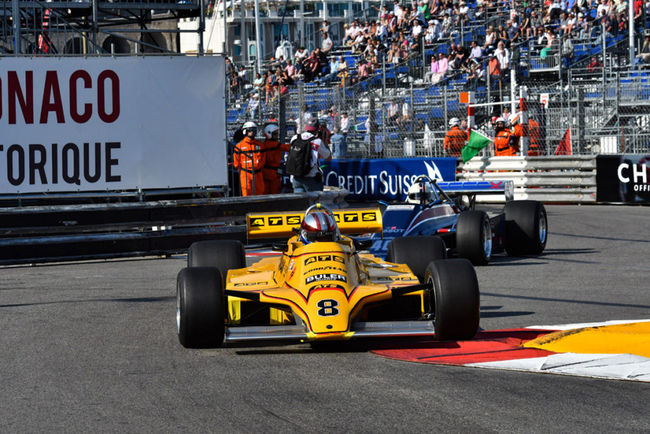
(556,179)
(70,232)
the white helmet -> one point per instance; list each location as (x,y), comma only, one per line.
(249,126)
(500,120)
(420,192)
(513,119)
(454,122)
(270,129)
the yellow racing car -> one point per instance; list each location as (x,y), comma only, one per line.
(321,288)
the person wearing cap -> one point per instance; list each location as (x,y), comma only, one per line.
(455,139)
(313,180)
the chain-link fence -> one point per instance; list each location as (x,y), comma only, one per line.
(396,112)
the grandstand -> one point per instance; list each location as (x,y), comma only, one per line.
(576,76)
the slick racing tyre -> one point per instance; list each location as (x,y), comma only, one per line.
(454,299)
(222,254)
(474,237)
(526,227)
(200,307)
(416,252)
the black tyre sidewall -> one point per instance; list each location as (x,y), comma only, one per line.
(201,304)
(222,254)
(522,219)
(469,236)
(455,298)
(416,252)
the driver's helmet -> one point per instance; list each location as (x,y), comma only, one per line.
(270,129)
(318,226)
(421,192)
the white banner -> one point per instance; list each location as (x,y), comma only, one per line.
(75,124)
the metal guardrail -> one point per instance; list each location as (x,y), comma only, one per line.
(32,234)
(557,179)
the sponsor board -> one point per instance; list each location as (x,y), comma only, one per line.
(623,178)
(387,179)
(125,123)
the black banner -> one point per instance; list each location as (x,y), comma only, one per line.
(623,178)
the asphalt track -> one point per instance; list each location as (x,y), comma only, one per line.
(92,347)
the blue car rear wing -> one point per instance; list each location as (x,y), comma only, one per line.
(457,188)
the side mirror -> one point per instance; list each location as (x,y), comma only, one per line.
(363,244)
(279,247)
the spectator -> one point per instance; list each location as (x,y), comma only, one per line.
(392,112)
(595,65)
(494,70)
(644,54)
(477,52)
(490,40)
(301,54)
(313,180)
(503,56)
(326,44)
(253,105)
(567,49)
(339,146)
(344,124)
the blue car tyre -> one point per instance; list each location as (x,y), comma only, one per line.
(474,237)
(526,227)
(416,252)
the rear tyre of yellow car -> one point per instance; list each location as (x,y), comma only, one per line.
(222,254)
(200,307)
(416,252)
(454,299)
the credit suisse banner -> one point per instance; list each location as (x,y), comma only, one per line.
(385,179)
(74,124)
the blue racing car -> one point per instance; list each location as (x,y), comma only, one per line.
(446,214)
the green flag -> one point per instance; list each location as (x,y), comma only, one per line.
(477,141)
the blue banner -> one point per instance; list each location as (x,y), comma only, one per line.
(385,179)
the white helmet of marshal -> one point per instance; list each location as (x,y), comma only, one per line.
(270,129)
(454,122)
(513,119)
(420,192)
(248,127)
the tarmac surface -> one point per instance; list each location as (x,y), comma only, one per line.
(93,346)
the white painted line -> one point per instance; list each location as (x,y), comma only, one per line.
(585,325)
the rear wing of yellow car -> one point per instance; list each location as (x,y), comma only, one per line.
(281,224)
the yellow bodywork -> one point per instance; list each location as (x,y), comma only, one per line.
(323,285)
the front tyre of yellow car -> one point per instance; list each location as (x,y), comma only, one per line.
(222,254)
(454,298)
(200,307)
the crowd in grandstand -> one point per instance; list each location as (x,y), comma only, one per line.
(403,28)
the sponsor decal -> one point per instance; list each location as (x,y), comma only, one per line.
(321,258)
(637,174)
(239,284)
(330,276)
(328,268)
(389,179)
(291,220)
